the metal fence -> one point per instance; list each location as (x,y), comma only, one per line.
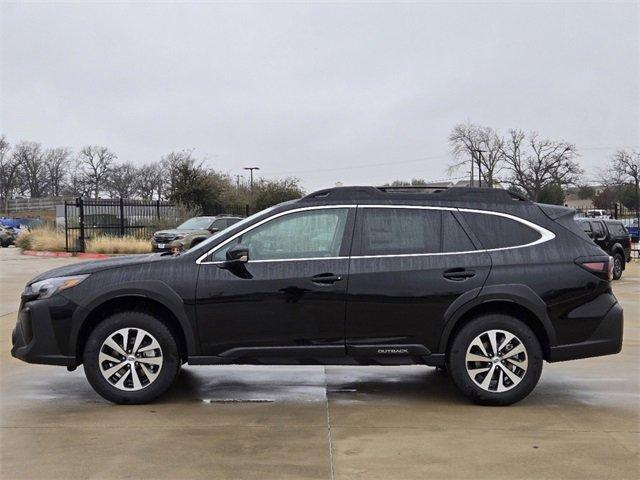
(85,219)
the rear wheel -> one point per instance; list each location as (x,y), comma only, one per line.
(618,266)
(495,360)
(131,357)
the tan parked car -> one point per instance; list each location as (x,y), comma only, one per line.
(191,232)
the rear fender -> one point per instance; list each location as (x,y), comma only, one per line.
(517,294)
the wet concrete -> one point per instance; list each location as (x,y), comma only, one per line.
(582,421)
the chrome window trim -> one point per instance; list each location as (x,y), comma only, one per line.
(200,260)
(545,235)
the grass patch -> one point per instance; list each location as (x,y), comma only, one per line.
(107,244)
(50,239)
(42,239)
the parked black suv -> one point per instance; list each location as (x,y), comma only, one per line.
(478,280)
(612,237)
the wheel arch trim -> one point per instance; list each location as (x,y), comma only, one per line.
(518,295)
(156,291)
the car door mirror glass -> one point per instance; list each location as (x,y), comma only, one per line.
(238,254)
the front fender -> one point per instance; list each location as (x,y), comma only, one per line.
(516,294)
(155,290)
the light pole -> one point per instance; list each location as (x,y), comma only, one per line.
(251,169)
(479,157)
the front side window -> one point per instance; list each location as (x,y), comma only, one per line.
(299,235)
(392,231)
(495,231)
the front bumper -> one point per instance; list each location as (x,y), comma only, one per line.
(161,246)
(41,334)
(605,340)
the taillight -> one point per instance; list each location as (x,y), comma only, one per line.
(600,266)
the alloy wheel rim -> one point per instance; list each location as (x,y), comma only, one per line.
(617,266)
(130,359)
(496,361)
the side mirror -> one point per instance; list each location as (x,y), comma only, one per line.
(214,229)
(238,254)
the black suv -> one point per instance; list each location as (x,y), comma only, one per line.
(612,237)
(477,280)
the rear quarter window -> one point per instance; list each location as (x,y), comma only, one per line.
(495,231)
(617,229)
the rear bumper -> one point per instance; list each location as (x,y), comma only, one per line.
(36,339)
(605,340)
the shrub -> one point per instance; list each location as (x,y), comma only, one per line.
(49,239)
(46,238)
(107,244)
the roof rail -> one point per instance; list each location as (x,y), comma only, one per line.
(469,194)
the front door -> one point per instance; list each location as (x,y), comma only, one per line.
(408,265)
(289,298)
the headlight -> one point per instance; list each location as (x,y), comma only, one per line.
(50,286)
(179,236)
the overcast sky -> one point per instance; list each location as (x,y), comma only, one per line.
(357,93)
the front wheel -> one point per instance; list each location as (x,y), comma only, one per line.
(131,357)
(495,360)
(618,266)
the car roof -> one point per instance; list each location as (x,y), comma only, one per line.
(415,194)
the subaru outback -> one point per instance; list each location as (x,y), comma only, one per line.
(478,281)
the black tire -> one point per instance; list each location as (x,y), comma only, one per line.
(137,320)
(457,365)
(618,266)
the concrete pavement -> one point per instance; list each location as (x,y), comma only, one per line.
(582,421)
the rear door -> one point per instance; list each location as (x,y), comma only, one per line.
(408,265)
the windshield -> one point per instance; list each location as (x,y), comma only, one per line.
(196,223)
(236,227)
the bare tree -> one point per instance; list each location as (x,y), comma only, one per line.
(628,165)
(77,183)
(122,181)
(9,169)
(151,180)
(470,142)
(536,163)
(32,171)
(56,161)
(97,162)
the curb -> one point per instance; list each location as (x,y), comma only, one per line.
(34,253)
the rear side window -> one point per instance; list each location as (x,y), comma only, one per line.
(586,227)
(495,231)
(454,238)
(617,229)
(598,229)
(388,231)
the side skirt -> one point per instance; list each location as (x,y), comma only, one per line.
(324,355)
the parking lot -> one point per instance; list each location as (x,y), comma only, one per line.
(582,421)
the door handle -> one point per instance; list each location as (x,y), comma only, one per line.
(326,278)
(458,274)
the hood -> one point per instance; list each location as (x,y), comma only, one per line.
(173,232)
(93,266)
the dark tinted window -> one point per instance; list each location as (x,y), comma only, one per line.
(388,231)
(617,229)
(454,239)
(495,231)
(598,229)
(586,226)
(219,224)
